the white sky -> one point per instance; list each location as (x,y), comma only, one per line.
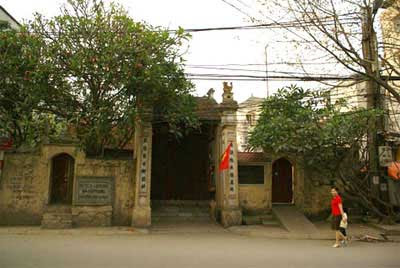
(216,47)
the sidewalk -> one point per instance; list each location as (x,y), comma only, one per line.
(355,231)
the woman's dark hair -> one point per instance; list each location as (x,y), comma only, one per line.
(334,187)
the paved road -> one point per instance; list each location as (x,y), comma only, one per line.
(205,250)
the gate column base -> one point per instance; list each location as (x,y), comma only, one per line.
(231,217)
(141,217)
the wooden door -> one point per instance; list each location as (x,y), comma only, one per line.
(62,179)
(282,188)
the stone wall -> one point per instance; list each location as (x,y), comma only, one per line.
(317,195)
(22,191)
(254,198)
(122,171)
(84,216)
(25,187)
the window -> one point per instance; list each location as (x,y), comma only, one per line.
(251,174)
(250,119)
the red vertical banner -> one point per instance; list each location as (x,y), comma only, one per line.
(225,159)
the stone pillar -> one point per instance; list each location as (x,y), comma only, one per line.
(231,213)
(141,214)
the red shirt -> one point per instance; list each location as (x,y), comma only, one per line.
(336,201)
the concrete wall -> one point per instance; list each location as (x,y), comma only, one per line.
(25,186)
(122,171)
(23,192)
(317,196)
(307,195)
(254,198)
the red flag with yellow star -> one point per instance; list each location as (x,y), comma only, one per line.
(225,159)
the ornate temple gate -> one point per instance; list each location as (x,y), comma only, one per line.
(226,182)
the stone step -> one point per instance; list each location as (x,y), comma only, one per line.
(55,220)
(58,209)
(156,219)
(265,219)
(174,208)
(180,203)
(271,223)
(57,217)
(182,209)
(180,213)
(170,211)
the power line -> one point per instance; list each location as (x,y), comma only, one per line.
(259,71)
(327,21)
(262,64)
(289,24)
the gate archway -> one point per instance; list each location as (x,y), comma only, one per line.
(62,177)
(282,181)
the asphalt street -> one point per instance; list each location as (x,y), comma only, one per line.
(205,250)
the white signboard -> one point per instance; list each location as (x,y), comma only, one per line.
(385,156)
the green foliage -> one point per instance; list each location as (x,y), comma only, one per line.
(98,70)
(303,123)
(21,84)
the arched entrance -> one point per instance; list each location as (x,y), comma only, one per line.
(62,174)
(282,181)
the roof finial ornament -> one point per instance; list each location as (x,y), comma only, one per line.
(227,96)
(210,94)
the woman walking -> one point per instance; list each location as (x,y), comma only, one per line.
(337,214)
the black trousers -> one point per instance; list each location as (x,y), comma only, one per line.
(343,231)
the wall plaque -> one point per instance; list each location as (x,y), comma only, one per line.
(94,191)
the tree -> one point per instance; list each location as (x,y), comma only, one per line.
(342,32)
(329,139)
(102,70)
(21,86)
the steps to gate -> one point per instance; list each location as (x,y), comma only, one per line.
(180,210)
(257,218)
(57,217)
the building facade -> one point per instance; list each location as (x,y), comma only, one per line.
(248,113)
(7,18)
(59,186)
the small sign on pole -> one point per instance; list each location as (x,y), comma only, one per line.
(375,180)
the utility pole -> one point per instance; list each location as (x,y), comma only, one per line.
(266,69)
(371,66)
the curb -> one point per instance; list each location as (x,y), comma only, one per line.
(73,231)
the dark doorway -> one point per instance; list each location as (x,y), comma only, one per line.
(180,166)
(282,188)
(62,174)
